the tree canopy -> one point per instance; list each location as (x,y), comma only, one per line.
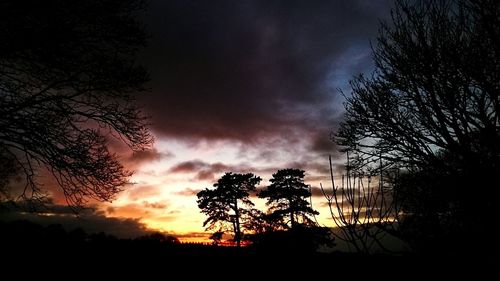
(67,80)
(228,202)
(287,198)
(435,87)
(431,108)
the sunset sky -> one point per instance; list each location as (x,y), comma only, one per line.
(241,86)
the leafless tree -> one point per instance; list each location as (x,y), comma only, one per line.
(431,107)
(67,80)
(364,207)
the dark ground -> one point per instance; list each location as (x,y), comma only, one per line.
(32,250)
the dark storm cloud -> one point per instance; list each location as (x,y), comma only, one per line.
(203,170)
(205,175)
(196,165)
(210,171)
(322,142)
(132,160)
(206,171)
(90,220)
(243,70)
(145,156)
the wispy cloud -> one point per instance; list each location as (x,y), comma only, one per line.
(139,192)
(187,192)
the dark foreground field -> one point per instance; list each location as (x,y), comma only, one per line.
(49,252)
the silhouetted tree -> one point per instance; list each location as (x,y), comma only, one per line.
(257,221)
(300,240)
(365,208)
(432,104)
(67,75)
(224,204)
(287,198)
(77,235)
(8,169)
(216,237)
(158,237)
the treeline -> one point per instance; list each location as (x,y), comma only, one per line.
(23,238)
(24,233)
(288,222)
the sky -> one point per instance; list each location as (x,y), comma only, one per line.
(239,86)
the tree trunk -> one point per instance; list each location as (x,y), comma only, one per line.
(291,207)
(237,232)
(292,213)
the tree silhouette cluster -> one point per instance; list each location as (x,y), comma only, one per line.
(43,247)
(226,203)
(23,233)
(431,111)
(229,208)
(286,199)
(67,80)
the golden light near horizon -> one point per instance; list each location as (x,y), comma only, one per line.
(163,195)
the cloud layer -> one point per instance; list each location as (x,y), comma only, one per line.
(90,220)
(247,70)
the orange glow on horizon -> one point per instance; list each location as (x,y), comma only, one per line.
(163,193)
